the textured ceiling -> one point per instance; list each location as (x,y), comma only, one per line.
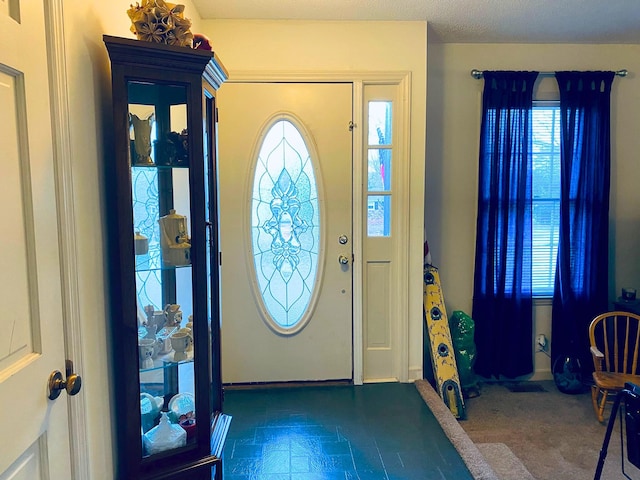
(461,21)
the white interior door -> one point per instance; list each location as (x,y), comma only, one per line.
(35,441)
(270,237)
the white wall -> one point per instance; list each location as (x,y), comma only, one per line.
(453,126)
(272,47)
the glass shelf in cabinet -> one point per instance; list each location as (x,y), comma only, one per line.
(156,268)
(153,260)
(162,362)
(161,166)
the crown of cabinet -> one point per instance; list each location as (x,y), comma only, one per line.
(137,53)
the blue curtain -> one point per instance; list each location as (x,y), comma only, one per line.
(581,285)
(502,297)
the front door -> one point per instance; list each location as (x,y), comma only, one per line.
(286,215)
(35,437)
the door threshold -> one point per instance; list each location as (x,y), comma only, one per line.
(291,384)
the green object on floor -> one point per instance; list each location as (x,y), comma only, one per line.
(462,329)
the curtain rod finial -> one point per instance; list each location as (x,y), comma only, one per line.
(475,73)
(622,73)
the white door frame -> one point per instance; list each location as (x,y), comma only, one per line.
(359,80)
(62,157)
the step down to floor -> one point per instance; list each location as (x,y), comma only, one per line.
(504,462)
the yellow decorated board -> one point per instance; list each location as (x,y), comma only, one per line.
(443,356)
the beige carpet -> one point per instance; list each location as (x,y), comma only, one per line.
(471,455)
(504,462)
(553,436)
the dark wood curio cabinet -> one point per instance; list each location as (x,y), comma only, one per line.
(163,236)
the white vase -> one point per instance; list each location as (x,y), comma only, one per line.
(141,151)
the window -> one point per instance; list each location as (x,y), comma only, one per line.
(379,151)
(285,226)
(546,195)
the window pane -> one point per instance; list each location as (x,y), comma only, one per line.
(379,121)
(285,224)
(378,215)
(379,170)
(546,197)
(546,175)
(546,129)
(545,246)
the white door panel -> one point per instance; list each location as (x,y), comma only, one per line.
(28,466)
(35,429)
(251,350)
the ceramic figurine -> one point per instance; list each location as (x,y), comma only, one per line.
(141,139)
(150,408)
(174,240)
(141,244)
(173,315)
(180,341)
(147,349)
(189,332)
(164,340)
(164,436)
(189,325)
(155,317)
(142,317)
(151,332)
(172,149)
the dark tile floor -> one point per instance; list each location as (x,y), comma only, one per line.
(375,431)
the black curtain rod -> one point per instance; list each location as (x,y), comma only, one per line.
(477,74)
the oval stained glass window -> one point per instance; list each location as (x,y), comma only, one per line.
(285,226)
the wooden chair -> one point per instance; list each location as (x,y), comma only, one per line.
(614,339)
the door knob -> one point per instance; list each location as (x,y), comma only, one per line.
(57,383)
(343,239)
(343,260)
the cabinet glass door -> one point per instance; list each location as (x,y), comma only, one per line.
(159,162)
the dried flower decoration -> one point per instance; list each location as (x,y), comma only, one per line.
(160,22)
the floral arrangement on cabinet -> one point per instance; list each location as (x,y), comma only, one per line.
(163,22)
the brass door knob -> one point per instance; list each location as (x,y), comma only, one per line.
(343,260)
(72,384)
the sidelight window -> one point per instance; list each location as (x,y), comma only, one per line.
(379,152)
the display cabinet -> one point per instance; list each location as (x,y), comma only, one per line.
(163,216)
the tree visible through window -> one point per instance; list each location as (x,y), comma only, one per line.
(546,195)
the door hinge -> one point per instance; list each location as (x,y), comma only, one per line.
(216,116)
(220,258)
(351,126)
